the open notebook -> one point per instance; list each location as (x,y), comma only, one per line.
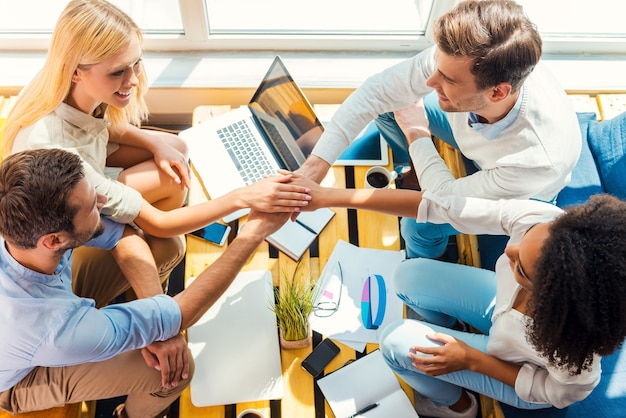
(366,384)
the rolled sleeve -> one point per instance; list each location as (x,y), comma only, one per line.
(473,215)
(535,384)
(123,202)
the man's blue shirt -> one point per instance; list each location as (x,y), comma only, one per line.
(43,323)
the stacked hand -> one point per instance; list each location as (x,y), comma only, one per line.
(275,194)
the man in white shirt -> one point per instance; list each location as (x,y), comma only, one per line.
(496,104)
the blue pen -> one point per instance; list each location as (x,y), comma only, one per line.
(364,410)
(308,228)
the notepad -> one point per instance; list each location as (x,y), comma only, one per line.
(362,384)
(294,238)
(235,345)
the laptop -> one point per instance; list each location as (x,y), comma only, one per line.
(276,130)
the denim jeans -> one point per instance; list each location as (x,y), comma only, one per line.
(442,293)
(422,239)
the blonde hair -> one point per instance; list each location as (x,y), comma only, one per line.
(87,32)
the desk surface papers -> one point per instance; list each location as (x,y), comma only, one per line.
(235,345)
(366,381)
(344,282)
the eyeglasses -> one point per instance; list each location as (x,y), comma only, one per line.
(520,270)
(328,308)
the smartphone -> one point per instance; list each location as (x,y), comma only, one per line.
(216,233)
(319,358)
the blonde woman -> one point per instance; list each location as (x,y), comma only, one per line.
(89,99)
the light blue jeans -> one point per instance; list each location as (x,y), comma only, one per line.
(422,239)
(442,293)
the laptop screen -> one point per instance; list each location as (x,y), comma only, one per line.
(279,97)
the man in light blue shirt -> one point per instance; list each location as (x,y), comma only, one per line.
(58,348)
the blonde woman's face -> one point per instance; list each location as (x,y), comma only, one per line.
(110,81)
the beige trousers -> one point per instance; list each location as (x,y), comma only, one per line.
(95,273)
(125,374)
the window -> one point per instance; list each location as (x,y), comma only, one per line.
(242,24)
(320,17)
(328,43)
(578,26)
(321,25)
(153,16)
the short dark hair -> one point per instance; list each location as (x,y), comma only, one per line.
(503,43)
(35,187)
(578,303)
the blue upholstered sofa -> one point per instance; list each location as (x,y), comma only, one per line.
(601,169)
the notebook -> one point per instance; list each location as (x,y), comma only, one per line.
(366,388)
(295,237)
(235,345)
(277,129)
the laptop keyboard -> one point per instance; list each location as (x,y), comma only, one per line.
(245,152)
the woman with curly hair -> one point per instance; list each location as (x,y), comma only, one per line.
(555,304)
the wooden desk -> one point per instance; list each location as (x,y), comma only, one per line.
(302,399)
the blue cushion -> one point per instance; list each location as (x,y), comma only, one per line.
(608,399)
(607,140)
(585,177)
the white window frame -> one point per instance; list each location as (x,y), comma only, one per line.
(197,37)
(200,59)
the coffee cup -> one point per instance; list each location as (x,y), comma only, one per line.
(378,177)
(250,413)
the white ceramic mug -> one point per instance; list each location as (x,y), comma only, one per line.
(378,177)
(250,413)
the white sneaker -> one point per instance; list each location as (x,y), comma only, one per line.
(426,408)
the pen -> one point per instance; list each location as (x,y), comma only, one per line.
(308,228)
(364,410)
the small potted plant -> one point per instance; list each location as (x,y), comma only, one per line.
(293,303)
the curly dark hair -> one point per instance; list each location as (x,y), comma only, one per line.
(35,187)
(578,303)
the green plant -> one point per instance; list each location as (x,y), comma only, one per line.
(293,303)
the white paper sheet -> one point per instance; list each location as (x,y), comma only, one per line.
(357,264)
(235,346)
(364,382)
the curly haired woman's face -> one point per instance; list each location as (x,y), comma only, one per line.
(110,81)
(523,256)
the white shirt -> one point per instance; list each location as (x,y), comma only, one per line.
(75,131)
(532,157)
(537,381)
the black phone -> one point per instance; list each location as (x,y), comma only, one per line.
(319,358)
(215,233)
